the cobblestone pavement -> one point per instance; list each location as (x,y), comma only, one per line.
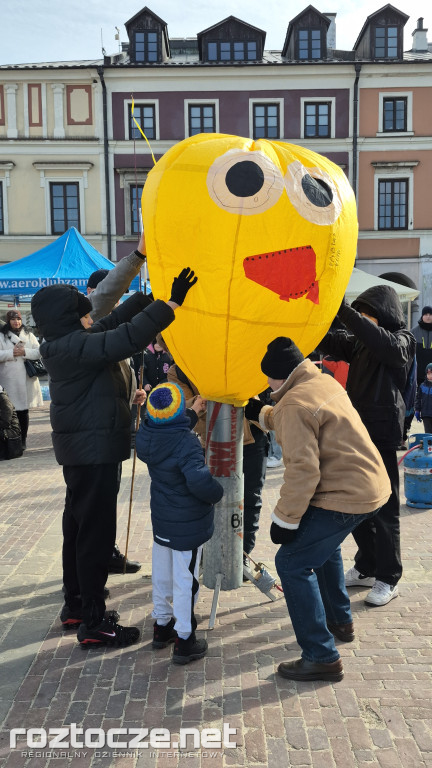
(379,715)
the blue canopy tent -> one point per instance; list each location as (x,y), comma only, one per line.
(70,259)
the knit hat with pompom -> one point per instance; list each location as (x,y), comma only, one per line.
(165,403)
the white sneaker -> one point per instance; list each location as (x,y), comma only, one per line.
(381,593)
(273,462)
(353,578)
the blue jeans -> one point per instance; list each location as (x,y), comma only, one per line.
(311,572)
(275,451)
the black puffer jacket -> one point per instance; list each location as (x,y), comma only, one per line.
(380,357)
(90,415)
(423,336)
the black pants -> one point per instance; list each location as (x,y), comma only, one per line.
(378,539)
(89,531)
(427,424)
(23,418)
(254,470)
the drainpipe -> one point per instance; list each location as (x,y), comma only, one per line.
(355,126)
(106,159)
(355,133)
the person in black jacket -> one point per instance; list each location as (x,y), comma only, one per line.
(423,402)
(90,419)
(423,336)
(380,351)
(157,363)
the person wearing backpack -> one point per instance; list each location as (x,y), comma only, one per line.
(380,351)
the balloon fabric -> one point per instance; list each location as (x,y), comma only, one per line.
(270,229)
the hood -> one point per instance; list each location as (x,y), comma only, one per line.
(385,303)
(157,441)
(55,311)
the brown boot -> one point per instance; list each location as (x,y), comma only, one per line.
(344,632)
(310,670)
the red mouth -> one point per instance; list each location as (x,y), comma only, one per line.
(290,273)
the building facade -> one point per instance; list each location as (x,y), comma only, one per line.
(71,153)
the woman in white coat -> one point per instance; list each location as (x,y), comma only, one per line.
(17,344)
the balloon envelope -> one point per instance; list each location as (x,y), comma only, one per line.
(270,229)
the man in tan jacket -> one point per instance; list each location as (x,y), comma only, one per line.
(334,479)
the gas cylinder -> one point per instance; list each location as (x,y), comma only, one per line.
(418,472)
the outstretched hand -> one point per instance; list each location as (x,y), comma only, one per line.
(182,284)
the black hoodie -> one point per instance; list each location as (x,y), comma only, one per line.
(380,357)
(90,415)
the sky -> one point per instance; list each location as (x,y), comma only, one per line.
(34,31)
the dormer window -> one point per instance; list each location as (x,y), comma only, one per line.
(232,40)
(309,44)
(232,50)
(386,42)
(146,46)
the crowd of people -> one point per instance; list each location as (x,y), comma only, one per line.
(345,479)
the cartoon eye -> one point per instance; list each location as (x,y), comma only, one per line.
(313,194)
(244,182)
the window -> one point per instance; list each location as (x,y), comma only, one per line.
(202,119)
(317,120)
(145,115)
(146,46)
(395,114)
(64,207)
(386,42)
(266,121)
(393,204)
(1,209)
(135,194)
(309,44)
(232,50)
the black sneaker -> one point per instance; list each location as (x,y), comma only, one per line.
(71,618)
(108,632)
(116,564)
(189,649)
(163,636)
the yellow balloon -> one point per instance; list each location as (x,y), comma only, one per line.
(270,229)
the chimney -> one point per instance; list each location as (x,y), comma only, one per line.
(331,32)
(420,43)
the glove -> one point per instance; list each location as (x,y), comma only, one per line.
(280,535)
(417,415)
(181,284)
(253,409)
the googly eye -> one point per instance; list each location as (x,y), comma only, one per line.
(244,182)
(313,194)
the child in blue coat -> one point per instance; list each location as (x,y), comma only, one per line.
(423,403)
(182,497)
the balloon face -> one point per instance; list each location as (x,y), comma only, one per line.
(270,229)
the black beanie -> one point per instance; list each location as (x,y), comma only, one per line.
(84,305)
(427,310)
(281,358)
(96,277)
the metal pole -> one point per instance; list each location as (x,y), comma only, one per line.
(223,554)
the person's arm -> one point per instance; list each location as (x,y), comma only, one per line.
(298,432)
(394,349)
(198,477)
(110,290)
(338,344)
(31,348)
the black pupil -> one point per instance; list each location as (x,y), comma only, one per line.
(244,179)
(317,191)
